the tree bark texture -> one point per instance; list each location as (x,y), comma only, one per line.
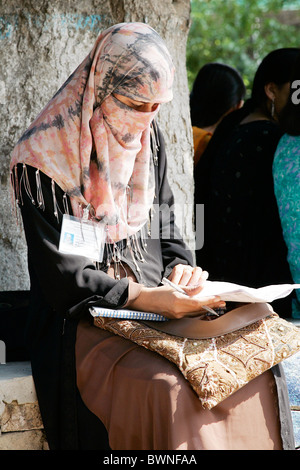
(42,42)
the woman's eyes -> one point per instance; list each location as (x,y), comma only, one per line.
(138,105)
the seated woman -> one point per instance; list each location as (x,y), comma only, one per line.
(217,90)
(96,154)
(286,171)
(243,240)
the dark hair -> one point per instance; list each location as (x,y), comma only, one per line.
(276,67)
(216,89)
(289,118)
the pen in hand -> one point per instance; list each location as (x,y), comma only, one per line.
(166,282)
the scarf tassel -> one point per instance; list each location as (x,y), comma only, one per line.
(39,191)
(154,142)
(22,182)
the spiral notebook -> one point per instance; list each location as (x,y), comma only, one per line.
(126,314)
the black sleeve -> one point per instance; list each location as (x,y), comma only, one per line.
(67,282)
(174,250)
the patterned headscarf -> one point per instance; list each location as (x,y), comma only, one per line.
(94,147)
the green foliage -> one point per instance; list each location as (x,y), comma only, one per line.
(238,33)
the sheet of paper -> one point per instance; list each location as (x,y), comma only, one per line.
(230,292)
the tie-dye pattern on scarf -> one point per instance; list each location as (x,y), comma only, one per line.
(94,147)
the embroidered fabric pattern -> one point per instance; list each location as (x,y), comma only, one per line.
(216,367)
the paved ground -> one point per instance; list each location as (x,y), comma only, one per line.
(292,372)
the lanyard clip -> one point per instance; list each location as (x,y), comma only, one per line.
(86,212)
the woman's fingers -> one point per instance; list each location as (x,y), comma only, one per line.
(198,278)
(188,276)
(176,273)
(192,304)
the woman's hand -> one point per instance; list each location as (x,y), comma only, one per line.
(172,304)
(190,279)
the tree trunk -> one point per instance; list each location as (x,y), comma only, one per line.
(42,42)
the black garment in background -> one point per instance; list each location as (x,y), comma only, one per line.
(62,289)
(243,240)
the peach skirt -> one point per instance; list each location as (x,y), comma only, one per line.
(146,404)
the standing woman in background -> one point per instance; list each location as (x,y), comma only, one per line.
(286,173)
(217,90)
(243,240)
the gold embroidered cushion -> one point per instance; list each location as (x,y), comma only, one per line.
(216,366)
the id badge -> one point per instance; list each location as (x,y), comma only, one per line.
(82,237)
